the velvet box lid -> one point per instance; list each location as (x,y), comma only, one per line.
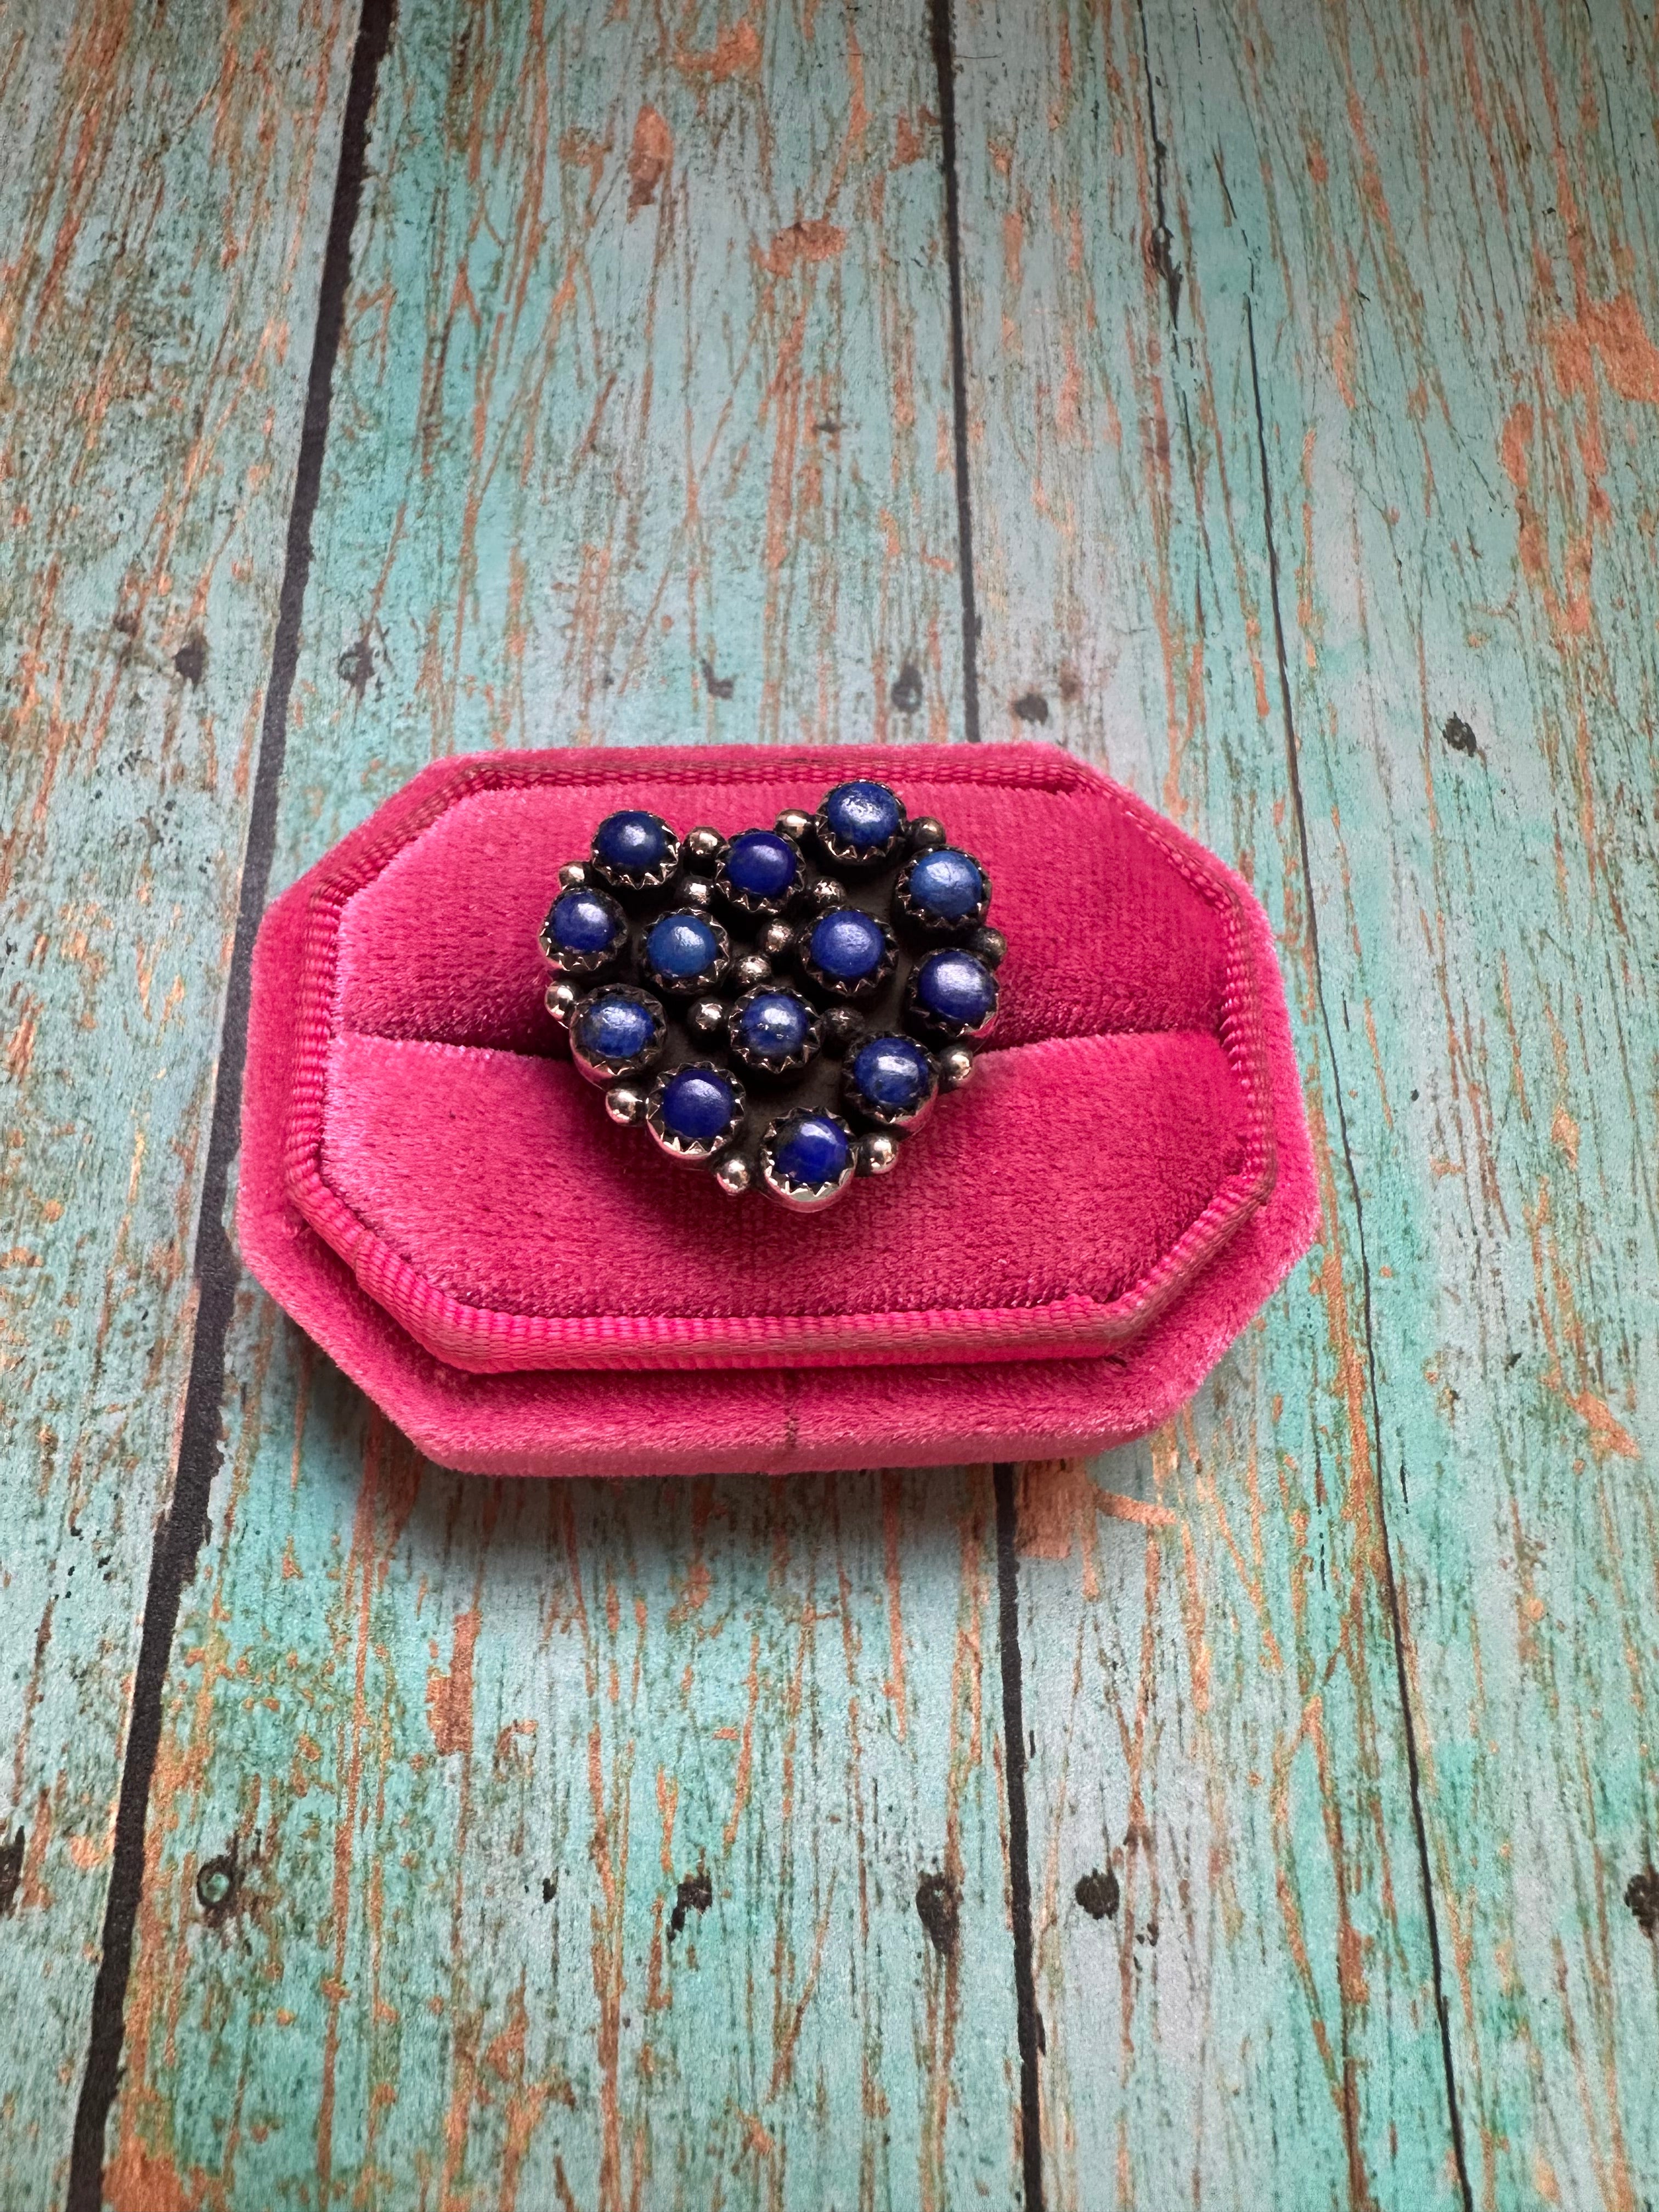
(434,1194)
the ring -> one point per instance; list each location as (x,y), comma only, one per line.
(781,1008)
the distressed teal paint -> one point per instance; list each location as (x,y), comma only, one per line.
(164,190)
(645,393)
(603,414)
(642,424)
(1437,226)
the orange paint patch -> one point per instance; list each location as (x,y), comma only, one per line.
(1612,331)
(449,1697)
(817,241)
(1053,1504)
(648,159)
(141,2181)
(668,1798)
(908,142)
(735,52)
(1119,1507)
(1014,245)
(1609,1436)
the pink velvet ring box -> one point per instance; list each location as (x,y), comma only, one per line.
(431,1189)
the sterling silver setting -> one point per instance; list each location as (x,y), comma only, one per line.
(633,883)
(932,1024)
(603,1068)
(904,1119)
(768,1067)
(602,958)
(750,904)
(850,990)
(706,978)
(805,1197)
(937,928)
(762,947)
(693,1152)
(842,852)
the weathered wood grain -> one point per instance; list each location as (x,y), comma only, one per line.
(583,1845)
(1397,263)
(165,182)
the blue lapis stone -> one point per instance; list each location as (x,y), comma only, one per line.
(632,843)
(680,946)
(863,814)
(956,988)
(774,1024)
(582,921)
(892,1073)
(761,864)
(615,1028)
(697,1105)
(847,945)
(945,883)
(811,1151)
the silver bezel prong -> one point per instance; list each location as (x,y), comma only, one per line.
(861,859)
(806,1198)
(941,1025)
(866,1110)
(603,1070)
(862,988)
(756,1064)
(694,1151)
(935,929)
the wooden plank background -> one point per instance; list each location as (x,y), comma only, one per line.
(662,1844)
(547,1802)
(165,182)
(1313,370)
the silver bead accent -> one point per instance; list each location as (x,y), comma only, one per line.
(878,1154)
(827,892)
(777,940)
(754,968)
(572,873)
(696,890)
(955,1064)
(927,834)
(791,823)
(990,944)
(560,997)
(705,1019)
(734,1176)
(703,847)
(624,1103)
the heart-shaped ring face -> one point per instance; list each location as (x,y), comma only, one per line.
(781,1007)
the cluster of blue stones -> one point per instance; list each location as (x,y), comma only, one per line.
(783,1006)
